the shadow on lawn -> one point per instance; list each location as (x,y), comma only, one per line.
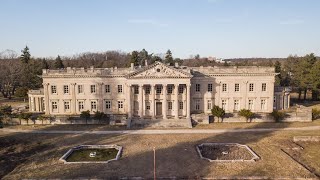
(175,157)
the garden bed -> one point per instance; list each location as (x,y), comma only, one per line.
(224,152)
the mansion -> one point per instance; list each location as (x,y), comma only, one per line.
(157,91)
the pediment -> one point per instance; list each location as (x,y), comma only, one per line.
(160,70)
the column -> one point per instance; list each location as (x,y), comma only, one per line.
(153,102)
(176,101)
(100,94)
(188,100)
(288,96)
(30,103)
(129,101)
(140,100)
(46,98)
(164,102)
(74,103)
(36,104)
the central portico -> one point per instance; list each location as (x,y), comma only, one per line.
(159,92)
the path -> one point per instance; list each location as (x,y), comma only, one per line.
(163,131)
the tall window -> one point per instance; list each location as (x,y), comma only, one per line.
(250,104)
(54,106)
(181,89)
(120,104)
(224,87)
(236,87)
(147,90)
(159,89)
(251,87)
(181,105)
(119,88)
(209,104)
(236,105)
(66,106)
(93,88)
(169,105)
(169,89)
(108,104)
(107,88)
(209,87)
(93,105)
(66,89)
(80,89)
(224,104)
(197,87)
(147,105)
(197,104)
(263,104)
(53,89)
(136,89)
(81,105)
(264,86)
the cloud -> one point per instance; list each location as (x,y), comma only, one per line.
(147,22)
(292,22)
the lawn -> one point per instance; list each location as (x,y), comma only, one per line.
(84,155)
(36,156)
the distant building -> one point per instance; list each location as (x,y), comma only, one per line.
(157,91)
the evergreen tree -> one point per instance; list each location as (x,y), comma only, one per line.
(44,64)
(143,56)
(58,64)
(134,58)
(25,56)
(168,58)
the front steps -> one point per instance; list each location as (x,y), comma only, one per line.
(162,123)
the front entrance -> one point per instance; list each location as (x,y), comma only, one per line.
(158,108)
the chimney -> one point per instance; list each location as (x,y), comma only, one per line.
(146,62)
(176,64)
(132,66)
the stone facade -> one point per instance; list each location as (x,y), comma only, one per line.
(157,91)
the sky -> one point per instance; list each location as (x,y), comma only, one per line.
(217,28)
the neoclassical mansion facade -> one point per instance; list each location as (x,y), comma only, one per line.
(155,91)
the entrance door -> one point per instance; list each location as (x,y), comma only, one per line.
(158,108)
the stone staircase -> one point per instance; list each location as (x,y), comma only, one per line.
(162,123)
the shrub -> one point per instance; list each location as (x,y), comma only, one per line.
(85,115)
(277,115)
(315,113)
(218,112)
(246,113)
(25,116)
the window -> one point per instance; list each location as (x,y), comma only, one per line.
(197,87)
(236,105)
(169,105)
(107,88)
(224,87)
(197,104)
(263,104)
(119,88)
(250,104)
(120,104)
(209,104)
(147,105)
(236,87)
(108,104)
(159,89)
(80,89)
(136,89)
(66,89)
(224,104)
(251,87)
(81,105)
(148,91)
(181,89)
(170,89)
(264,86)
(181,105)
(93,88)
(54,89)
(54,106)
(209,87)
(66,105)
(274,99)
(93,105)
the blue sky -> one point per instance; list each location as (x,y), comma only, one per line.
(220,28)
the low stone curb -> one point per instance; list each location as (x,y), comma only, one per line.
(306,138)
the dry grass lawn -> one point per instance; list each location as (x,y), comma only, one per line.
(35,156)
